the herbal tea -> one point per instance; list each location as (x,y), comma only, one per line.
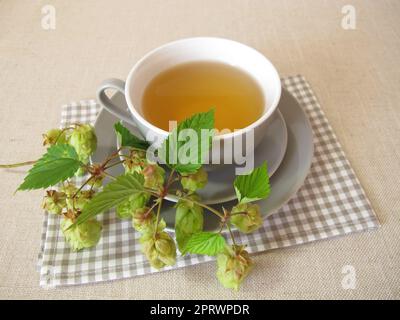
(186,89)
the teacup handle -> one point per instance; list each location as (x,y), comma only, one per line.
(118,85)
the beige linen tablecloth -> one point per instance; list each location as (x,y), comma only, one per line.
(354,73)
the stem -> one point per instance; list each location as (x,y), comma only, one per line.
(216,212)
(81,187)
(109,175)
(169,180)
(231,233)
(111,156)
(112,165)
(20,164)
(158,215)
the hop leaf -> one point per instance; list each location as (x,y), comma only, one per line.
(159,249)
(207,243)
(246,217)
(188,221)
(59,163)
(84,140)
(233,265)
(195,181)
(137,201)
(81,236)
(253,186)
(112,195)
(172,148)
(127,139)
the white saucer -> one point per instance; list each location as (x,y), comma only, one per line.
(285,182)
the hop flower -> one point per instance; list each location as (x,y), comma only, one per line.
(144,221)
(54,202)
(97,181)
(153,176)
(54,136)
(136,201)
(84,140)
(136,162)
(233,265)
(159,249)
(79,201)
(188,220)
(81,236)
(69,189)
(195,181)
(247,217)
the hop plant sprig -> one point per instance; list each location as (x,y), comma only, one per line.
(139,193)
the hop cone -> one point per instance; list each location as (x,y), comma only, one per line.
(85,235)
(233,265)
(144,221)
(84,140)
(153,176)
(137,201)
(159,249)
(195,181)
(188,220)
(247,218)
(136,162)
(54,202)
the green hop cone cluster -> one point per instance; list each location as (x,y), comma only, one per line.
(188,220)
(84,140)
(144,220)
(126,209)
(81,236)
(246,217)
(195,181)
(159,249)
(54,136)
(154,175)
(78,201)
(135,162)
(233,265)
(54,202)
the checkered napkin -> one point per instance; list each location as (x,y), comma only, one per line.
(330,203)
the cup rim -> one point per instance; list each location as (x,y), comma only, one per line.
(230,135)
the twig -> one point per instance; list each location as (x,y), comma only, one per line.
(14,165)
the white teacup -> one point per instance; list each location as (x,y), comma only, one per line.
(191,50)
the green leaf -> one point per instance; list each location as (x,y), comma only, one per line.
(59,163)
(112,195)
(173,151)
(127,139)
(207,243)
(254,186)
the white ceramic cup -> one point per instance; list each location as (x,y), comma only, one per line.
(190,50)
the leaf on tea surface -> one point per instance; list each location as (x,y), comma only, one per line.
(127,139)
(113,194)
(207,243)
(253,186)
(194,151)
(59,163)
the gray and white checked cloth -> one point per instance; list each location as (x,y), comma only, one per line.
(330,203)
